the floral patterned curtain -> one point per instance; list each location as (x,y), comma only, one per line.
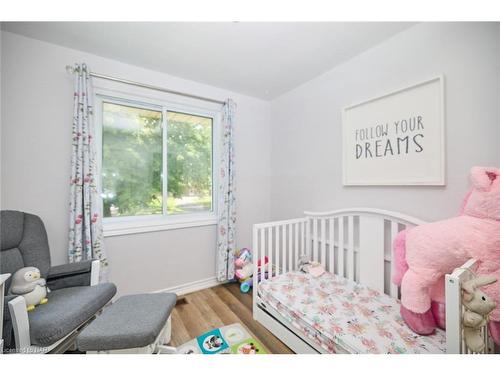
(85,225)
(226,200)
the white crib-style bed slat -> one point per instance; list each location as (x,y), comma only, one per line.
(263,251)
(285,238)
(353,243)
(295,247)
(270,249)
(303,240)
(306,240)
(277,238)
(314,255)
(350,249)
(290,244)
(393,292)
(331,245)
(323,242)
(340,247)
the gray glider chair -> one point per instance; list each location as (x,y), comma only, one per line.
(75,297)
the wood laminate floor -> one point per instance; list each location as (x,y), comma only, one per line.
(207,309)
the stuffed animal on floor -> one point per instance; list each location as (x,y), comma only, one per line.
(243,264)
(243,257)
(477,308)
(424,254)
(27,283)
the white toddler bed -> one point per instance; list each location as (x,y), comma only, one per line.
(353,308)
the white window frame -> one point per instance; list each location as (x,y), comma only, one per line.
(116,226)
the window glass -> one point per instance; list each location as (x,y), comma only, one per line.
(131,160)
(189,163)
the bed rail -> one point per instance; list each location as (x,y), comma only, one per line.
(455,343)
(282,242)
(354,243)
(333,239)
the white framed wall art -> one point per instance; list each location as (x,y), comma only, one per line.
(397,138)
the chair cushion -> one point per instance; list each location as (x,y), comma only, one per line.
(66,310)
(23,243)
(35,244)
(11,260)
(11,229)
(133,321)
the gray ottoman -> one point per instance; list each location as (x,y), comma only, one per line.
(133,324)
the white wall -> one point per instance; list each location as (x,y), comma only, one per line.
(36,148)
(306,122)
(297,137)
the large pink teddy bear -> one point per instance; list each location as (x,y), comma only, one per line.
(424,254)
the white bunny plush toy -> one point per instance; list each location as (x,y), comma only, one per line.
(477,308)
(27,282)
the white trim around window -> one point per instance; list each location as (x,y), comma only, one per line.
(117,226)
(137,224)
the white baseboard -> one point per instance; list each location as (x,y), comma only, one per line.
(191,286)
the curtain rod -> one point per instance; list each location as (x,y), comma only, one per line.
(71,70)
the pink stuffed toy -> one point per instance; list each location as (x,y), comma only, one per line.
(424,254)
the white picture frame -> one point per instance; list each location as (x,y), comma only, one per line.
(397,138)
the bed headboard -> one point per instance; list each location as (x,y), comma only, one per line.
(355,243)
(362,244)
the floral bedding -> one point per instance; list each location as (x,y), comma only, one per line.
(340,315)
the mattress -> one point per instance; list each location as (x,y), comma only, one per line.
(343,316)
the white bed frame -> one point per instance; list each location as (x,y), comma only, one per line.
(334,239)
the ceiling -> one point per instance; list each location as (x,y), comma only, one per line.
(259,59)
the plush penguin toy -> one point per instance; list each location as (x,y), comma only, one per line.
(27,282)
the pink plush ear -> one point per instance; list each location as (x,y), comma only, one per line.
(483,177)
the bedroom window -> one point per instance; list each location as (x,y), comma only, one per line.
(157,164)
(131,161)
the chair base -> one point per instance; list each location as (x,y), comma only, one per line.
(157,347)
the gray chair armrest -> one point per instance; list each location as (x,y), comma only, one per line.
(69,275)
(70,269)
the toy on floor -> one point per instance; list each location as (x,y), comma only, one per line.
(247,284)
(244,269)
(477,308)
(247,279)
(424,254)
(243,264)
(247,270)
(243,257)
(27,283)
